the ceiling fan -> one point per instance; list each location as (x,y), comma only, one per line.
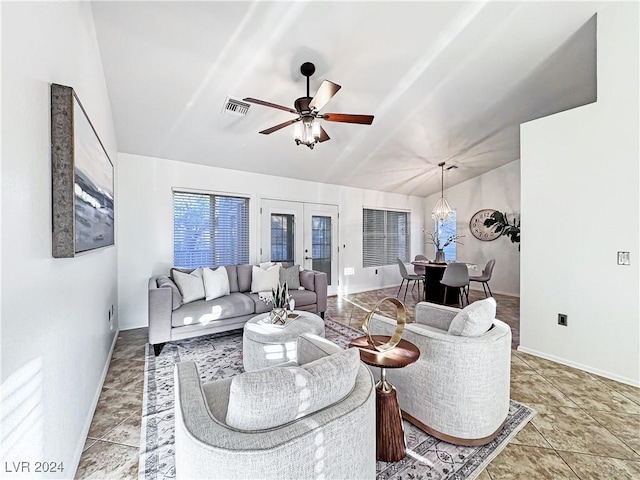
(308,130)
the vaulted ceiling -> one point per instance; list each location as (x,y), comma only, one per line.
(446,81)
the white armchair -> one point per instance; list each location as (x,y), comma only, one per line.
(256,425)
(458,390)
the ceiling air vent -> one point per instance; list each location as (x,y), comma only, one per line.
(233,106)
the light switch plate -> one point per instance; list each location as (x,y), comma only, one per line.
(623,258)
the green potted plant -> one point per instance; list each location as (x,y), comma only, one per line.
(279,312)
(508,228)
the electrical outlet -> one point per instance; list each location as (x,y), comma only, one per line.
(562,319)
(623,258)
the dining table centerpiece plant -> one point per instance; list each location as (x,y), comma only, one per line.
(441,243)
(278,314)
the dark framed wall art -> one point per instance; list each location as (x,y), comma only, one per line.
(82,179)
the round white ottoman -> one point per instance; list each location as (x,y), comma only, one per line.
(264,345)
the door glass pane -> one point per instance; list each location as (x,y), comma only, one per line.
(321,245)
(282,238)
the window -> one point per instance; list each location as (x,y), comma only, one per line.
(446,230)
(321,244)
(385,237)
(282,238)
(209,230)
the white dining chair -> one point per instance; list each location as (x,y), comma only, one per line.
(484,277)
(409,278)
(456,275)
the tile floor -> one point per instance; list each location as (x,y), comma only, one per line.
(587,427)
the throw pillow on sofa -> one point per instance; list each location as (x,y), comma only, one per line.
(216,283)
(190,285)
(474,319)
(264,280)
(176,298)
(291,275)
(274,396)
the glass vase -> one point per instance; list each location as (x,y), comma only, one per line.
(278,316)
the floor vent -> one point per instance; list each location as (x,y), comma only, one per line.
(233,106)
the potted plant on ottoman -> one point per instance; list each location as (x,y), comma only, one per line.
(279,312)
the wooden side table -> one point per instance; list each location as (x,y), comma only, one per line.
(390,441)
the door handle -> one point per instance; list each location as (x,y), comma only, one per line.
(308,258)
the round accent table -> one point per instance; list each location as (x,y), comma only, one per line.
(390,441)
(265,345)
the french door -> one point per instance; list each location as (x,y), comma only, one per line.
(301,234)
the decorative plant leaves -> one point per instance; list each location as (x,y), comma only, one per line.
(280,295)
(508,228)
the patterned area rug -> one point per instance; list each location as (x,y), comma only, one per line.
(220,355)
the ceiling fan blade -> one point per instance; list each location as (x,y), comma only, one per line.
(326,91)
(348,118)
(279,126)
(269,104)
(323,136)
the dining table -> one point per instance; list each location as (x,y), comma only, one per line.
(434,291)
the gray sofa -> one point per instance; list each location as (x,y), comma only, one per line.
(170,319)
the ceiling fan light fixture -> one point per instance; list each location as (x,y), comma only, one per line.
(307,132)
(442,210)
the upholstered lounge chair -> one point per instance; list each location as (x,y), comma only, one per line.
(245,427)
(458,390)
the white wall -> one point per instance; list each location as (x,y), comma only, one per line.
(145,221)
(55,335)
(498,189)
(580,205)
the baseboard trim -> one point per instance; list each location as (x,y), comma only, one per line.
(78,453)
(133,327)
(579,366)
(499,292)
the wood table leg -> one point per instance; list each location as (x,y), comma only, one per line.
(390,442)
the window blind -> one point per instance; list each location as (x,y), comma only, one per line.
(209,230)
(385,237)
